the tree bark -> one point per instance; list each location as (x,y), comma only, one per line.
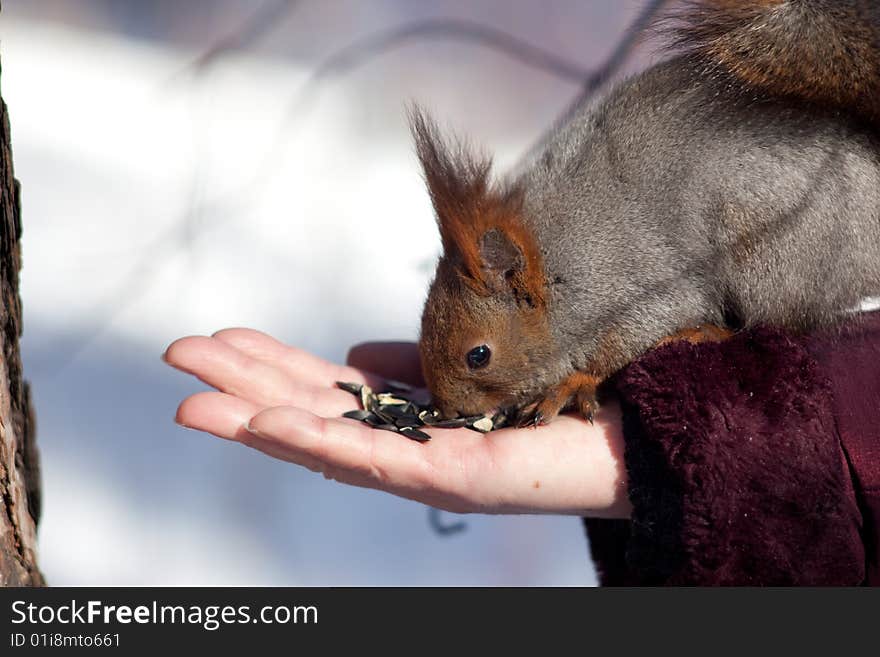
(19,463)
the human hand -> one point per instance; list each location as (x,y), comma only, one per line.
(283,401)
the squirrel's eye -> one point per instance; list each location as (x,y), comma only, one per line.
(479,357)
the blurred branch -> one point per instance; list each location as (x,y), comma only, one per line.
(360,52)
(624,48)
(357,53)
(607,70)
(340,62)
(258,24)
(350,57)
(347,58)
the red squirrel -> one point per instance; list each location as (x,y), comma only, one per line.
(734,184)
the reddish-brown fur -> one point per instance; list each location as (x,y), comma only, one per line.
(754,41)
(489,288)
(450,328)
(468,207)
(579,389)
(698,334)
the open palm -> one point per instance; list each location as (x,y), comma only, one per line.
(283,401)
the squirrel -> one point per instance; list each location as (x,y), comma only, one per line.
(733,184)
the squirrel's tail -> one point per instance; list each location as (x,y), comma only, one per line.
(825,52)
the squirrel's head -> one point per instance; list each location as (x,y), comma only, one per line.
(485,332)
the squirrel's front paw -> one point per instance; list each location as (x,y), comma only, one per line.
(586,403)
(539,412)
(578,390)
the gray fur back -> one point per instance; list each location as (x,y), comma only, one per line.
(681,199)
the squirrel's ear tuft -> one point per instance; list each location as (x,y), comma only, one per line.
(457,182)
(451,169)
(481,227)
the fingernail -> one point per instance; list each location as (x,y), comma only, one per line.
(250,429)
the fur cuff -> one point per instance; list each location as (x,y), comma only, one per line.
(735,469)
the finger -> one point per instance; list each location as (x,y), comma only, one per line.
(231,371)
(224,416)
(297,363)
(355,454)
(216,412)
(393,360)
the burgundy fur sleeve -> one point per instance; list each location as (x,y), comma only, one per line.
(736,468)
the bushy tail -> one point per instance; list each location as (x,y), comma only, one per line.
(822,51)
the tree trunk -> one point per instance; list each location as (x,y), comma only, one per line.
(19,464)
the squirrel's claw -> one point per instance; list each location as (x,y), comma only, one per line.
(587,405)
(538,413)
(578,392)
(529,418)
(533,415)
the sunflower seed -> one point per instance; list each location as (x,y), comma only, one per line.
(386,417)
(455,423)
(410,421)
(374,420)
(415,434)
(483,425)
(353,388)
(403,410)
(368,399)
(392,410)
(386,427)
(358,415)
(389,399)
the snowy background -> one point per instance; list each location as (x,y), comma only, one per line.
(158,203)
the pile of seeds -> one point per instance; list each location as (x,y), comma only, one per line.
(401,410)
